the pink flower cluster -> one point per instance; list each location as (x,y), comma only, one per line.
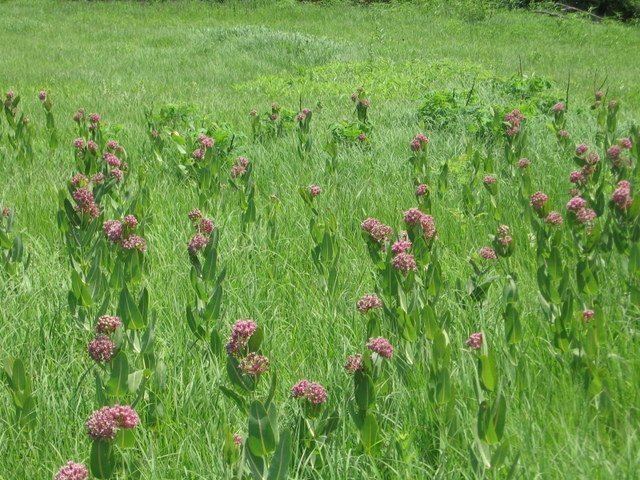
(312,392)
(377,231)
(475,341)
(354,364)
(72,471)
(554,218)
(422,190)
(254,364)
(103,424)
(314,191)
(503,235)
(513,122)
(578,207)
(524,163)
(368,302)
(302,116)
(381,346)
(621,196)
(419,142)
(239,167)
(615,153)
(101,349)
(488,253)
(85,202)
(108,324)
(414,217)
(538,201)
(204,227)
(241,332)
(121,232)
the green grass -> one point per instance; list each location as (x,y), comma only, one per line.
(120,58)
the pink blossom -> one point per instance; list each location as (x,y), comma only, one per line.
(205,142)
(524,163)
(98,178)
(489,180)
(404,262)
(576,177)
(554,218)
(134,242)
(362,137)
(112,160)
(131,221)
(587,315)
(413,216)
(101,425)
(487,253)
(79,180)
(354,364)
(625,143)
(72,471)
(563,134)
(422,190)
(538,200)
(197,243)
(241,332)
(112,230)
(381,346)
(117,174)
(475,341)
(613,152)
(314,191)
(78,115)
(559,107)
(195,215)
(206,226)
(593,158)
(125,416)
(94,118)
(368,302)
(586,215)
(381,233)
(428,225)
(576,203)
(400,246)
(101,349)
(622,195)
(113,145)
(311,391)
(198,154)
(254,364)
(237,440)
(108,324)
(79,144)
(581,149)
(42,95)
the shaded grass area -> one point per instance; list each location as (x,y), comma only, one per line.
(120,58)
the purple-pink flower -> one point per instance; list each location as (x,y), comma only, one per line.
(101,349)
(72,471)
(487,253)
(401,246)
(524,163)
(475,341)
(554,218)
(314,191)
(422,190)
(254,364)
(381,346)
(576,204)
(197,243)
(621,196)
(101,425)
(311,391)
(404,262)
(354,364)
(368,302)
(538,200)
(241,332)
(108,324)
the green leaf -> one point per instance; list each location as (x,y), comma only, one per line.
(125,438)
(261,440)
(235,398)
(118,381)
(256,339)
(488,371)
(129,312)
(281,458)
(256,463)
(364,390)
(101,459)
(369,433)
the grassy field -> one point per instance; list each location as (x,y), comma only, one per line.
(119,58)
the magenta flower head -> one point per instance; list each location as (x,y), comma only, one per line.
(621,196)
(134,242)
(524,163)
(79,180)
(538,200)
(314,191)
(475,341)
(117,174)
(422,190)
(428,225)
(94,118)
(381,346)
(102,425)
(404,262)
(240,167)
(576,204)
(241,332)
(419,142)
(401,246)
(112,160)
(108,324)
(362,137)
(412,216)
(195,215)
(313,392)
(581,149)
(112,230)
(42,95)
(559,107)
(10,95)
(206,226)
(92,146)
(78,116)
(586,215)
(488,253)
(554,218)
(354,364)
(613,152)
(101,349)
(204,141)
(368,224)
(625,143)
(378,231)
(130,221)
(198,154)
(113,145)
(125,416)
(79,144)
(489,180)
(97,178)
(368,303)
(564,134)
(237,440)
(254,364)
(72,471)
(577,177)
(197,243)
(587,315)
(593,158)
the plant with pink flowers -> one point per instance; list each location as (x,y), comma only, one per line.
(242,182)
(273,123)
(303,122)
(21,131)
(418,159)
(14,375)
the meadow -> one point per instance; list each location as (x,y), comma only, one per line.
(422,211)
